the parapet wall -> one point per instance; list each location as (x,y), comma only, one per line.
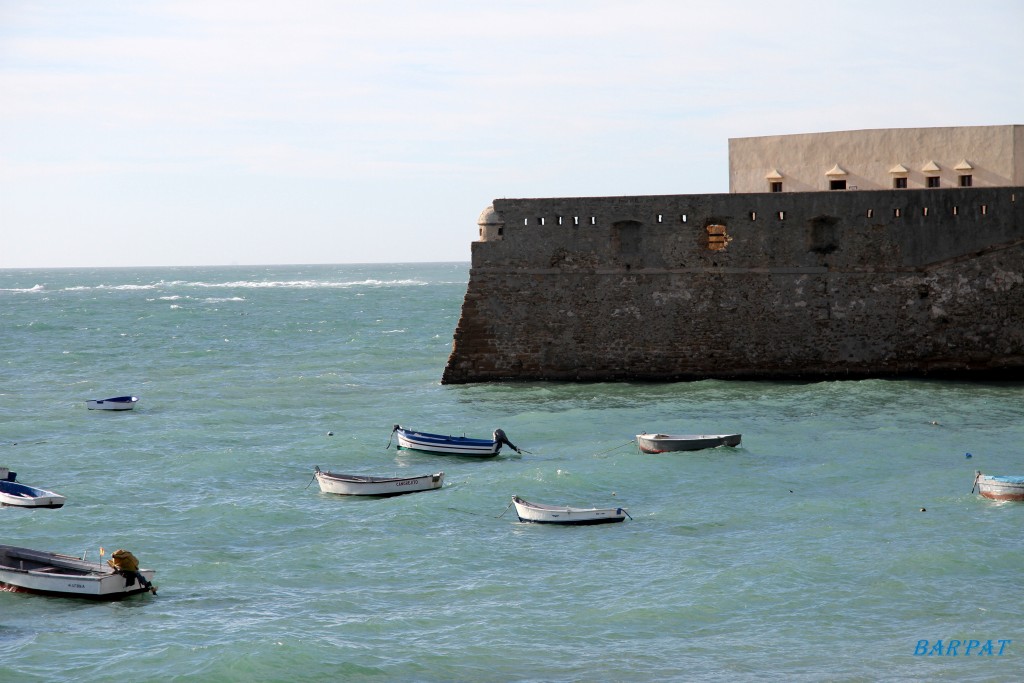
(790,285)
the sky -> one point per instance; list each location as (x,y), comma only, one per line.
(251,132)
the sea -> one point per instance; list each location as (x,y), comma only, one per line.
(841,541)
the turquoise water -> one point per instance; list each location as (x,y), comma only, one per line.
(802,555)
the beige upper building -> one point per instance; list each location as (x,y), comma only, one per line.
(894,158)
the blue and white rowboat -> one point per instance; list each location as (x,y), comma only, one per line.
(440,444)
(15,494)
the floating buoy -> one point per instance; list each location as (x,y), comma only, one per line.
(330,433)
(923,510)
(968,455)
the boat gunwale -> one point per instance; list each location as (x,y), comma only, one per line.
(49,568)
(685,437)
(544,507)
(369,479)
(427,438)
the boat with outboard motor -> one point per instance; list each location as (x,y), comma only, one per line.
(23,570)
(440,444)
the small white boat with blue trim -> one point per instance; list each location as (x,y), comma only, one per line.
(563,514)
(23,570)
(16,494)
(440,444)
(362,485)
(115,403)
(999,487)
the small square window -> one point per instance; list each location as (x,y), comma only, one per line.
(966,180)
(933,181)
(837,184)
(899,183)
(776,186)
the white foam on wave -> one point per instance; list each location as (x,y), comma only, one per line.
(307,284)
(36,288)
(126,288)
(372,283)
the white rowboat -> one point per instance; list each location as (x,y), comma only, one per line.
(360,485)
(999,487)
(563,514)
(665,443)
(23,570)
(15,494)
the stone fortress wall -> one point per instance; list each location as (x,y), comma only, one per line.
(805,285)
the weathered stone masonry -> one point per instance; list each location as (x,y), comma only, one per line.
(795,285)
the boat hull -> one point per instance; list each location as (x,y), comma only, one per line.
(668,443)
(13,494)
(357,485)
(439,444)
(538,513)
(30,571)
(116,403)
(1001,488)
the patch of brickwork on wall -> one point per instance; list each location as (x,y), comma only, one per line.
(807,285)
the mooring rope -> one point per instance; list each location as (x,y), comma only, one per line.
(615,448)
(477,514)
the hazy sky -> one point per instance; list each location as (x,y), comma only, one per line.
(208,132)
